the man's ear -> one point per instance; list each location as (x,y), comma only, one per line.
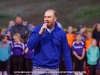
(55,19)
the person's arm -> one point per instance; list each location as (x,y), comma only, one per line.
(35,37)
(75,54)
(9,50)
(98,53)
(26,33)
(88,53)
(83,53)
(26,50)
(66,53)
(12,31)
(93,34)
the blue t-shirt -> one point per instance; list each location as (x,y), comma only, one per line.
(78,47)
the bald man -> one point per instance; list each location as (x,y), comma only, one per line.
(49,42)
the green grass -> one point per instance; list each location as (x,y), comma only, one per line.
(88,29)
(4,16)
(69,12)
(87,14)
(4,20)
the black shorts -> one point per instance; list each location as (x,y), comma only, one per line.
(3,65)
(17,63)
(85,57)
(71,53)
(78,64)
(28,64)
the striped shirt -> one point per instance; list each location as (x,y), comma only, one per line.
(17,49)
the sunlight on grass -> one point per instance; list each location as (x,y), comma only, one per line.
(75,29)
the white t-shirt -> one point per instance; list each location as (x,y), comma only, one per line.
(50,30)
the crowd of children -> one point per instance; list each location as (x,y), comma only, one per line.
(14,55)
(84,48)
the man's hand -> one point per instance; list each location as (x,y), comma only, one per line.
(43,28)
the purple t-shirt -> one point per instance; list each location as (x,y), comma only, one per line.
(29,54)
(78,47)
(17,49)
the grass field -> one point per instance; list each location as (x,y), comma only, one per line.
(69,12)
(88,29)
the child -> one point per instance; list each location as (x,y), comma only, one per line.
(92,57)
(4,54)
(82,30)
(17,53)
(28,59)
(78,49)
(9,38)
(88,40)
(88,43)
(70,36)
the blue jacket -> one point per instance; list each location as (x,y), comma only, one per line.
(48,48)
(5,51)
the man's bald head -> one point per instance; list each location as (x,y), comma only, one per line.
(50,18)
(51,10)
